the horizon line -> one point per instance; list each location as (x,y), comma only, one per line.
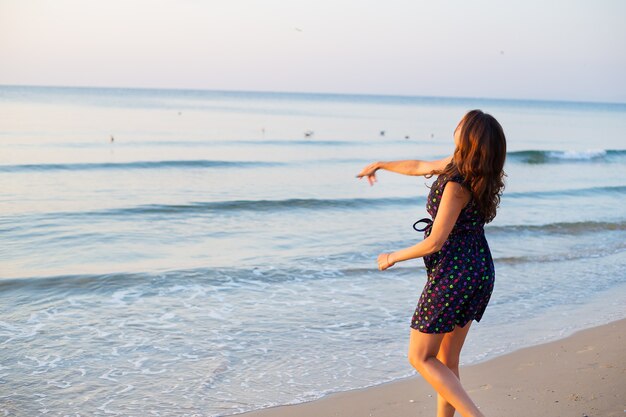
(533,100)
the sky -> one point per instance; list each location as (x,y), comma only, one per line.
(533,49)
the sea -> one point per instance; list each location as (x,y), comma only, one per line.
(206,253)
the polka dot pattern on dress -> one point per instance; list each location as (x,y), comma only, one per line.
(460,276)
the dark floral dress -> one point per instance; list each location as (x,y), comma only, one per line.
(460,276)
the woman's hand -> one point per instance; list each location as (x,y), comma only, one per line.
(370,172)
(384,262)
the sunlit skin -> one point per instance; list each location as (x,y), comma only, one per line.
(434,356)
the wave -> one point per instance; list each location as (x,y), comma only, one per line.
(225,278)
(216,277)
(199,163)
(326,204)
(560,256)
(611,189)
(527,157)
(289,204)
(564,228)
(544,157)
(318,204)
(261,205)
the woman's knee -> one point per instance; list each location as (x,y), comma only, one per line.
(418,360)
(415,361)
(423,347)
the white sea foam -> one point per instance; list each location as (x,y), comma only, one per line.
(125,389)
(106,375)
(578,155)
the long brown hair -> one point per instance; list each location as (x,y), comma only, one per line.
(479,158)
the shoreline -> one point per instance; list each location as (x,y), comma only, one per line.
(582,374)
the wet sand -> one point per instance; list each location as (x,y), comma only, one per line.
(581,375)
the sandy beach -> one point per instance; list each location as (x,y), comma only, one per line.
(581,375)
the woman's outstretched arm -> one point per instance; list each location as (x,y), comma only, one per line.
(406,167)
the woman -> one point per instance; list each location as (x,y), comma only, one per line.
(458,262)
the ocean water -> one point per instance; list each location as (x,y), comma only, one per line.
(203,253)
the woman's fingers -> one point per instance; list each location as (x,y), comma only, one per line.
(370,173)
(367,171)
(382,262)
(371,178)
(364,173)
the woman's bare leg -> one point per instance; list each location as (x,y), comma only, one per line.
(449,354)
(423,350)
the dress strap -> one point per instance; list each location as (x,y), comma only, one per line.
(458,178)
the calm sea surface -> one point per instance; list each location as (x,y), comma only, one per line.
(197,253)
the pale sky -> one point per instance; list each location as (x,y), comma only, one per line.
(531,49)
